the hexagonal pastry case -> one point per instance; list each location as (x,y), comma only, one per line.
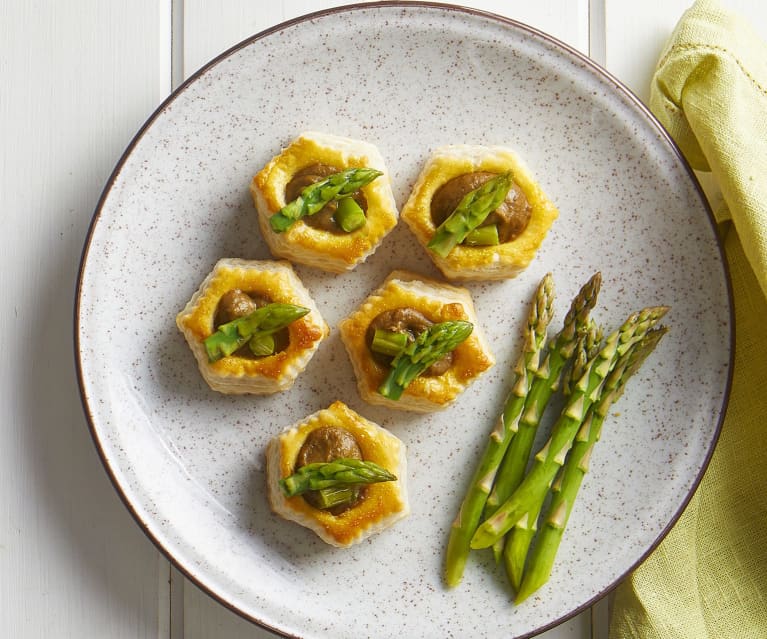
(311,188)
(506,239)
(376,507)
(252,326)
(409,304)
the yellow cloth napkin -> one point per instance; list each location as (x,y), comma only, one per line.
(708,578)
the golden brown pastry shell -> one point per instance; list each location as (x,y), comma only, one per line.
(439,302)
(479,262)
(276,281)
(383,503)
(314,247)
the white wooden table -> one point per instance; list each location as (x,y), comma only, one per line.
(77,79)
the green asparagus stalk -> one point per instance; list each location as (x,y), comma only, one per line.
(264,321)
(388,342)
(329,497)
(339,472)
(430,345)
(544,383)
(576,466)
(262,346)
(315,196)
(483,236)
(587,348)
(349,215)
(470,512)
(471,211)
(517,541)
(534,487)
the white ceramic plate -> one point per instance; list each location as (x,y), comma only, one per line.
(189,462)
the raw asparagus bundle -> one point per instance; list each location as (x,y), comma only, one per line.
(593,375)
(517,541)
(544,383)
(315,196)
(471,509)
(576,466)
(534,487)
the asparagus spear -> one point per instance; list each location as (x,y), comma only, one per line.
(430,345)
(587,348)
(339,472)
(388,342)
(327,498)
(569,480)
(349,215)
(532,491)
(471,508)
(264,321)
(544,383)
(518,540)
(483,236)
(471,211)
(315,196)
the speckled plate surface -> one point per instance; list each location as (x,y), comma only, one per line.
(189,462)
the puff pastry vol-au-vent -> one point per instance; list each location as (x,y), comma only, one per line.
(332,433)
(507,239)
(235,289)
(319,239)
(408,303)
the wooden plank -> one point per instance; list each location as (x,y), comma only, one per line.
(78,80)
(637,33)
(600,619)
(205,618)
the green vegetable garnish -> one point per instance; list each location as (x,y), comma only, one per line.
(388,342)
(483,236)
(471,211)
(330,497)
(349,215)
(338,473)
(315,196)
(430,346)
(261,346)
(262,322)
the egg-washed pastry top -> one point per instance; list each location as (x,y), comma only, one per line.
(273,281)
(523,219)
(381,505)
(318,242)
(436,302)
